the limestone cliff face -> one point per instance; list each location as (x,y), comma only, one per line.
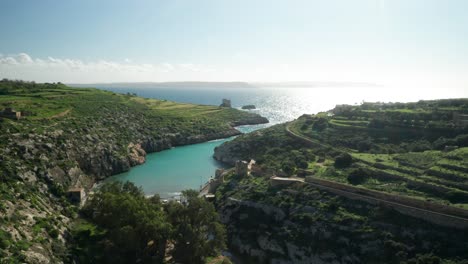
(69,158)
(238,149)
(44,164)
(306,233)
(247,146)
(268,243)
(251,120)
(74,137)
(225,154)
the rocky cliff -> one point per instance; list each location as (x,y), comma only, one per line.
(98,134)
(301,224)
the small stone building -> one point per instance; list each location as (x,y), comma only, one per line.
(76,195)
(243,168)
(10,113)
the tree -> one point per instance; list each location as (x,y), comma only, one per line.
(302,163)
(136,228)
(343,160)
(197,232)
(358,176)
(320,124)
(288,167)
(376,123)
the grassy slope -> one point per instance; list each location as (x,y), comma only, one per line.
(444,172)
(405,140)
(73,136)
(44,102)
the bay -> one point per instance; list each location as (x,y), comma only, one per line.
(169,172)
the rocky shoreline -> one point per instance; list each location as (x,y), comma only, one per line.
(45,158)
(138,151)
(56,160)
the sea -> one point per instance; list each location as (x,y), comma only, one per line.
(169,172)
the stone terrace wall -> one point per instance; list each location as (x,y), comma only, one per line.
(434,213)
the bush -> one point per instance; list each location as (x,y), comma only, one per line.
(288,167)
(320,125)
(457,196)
(302,163)
(4,239)
(53,233)
(57,190)
(358,176)
(364,145)
(376,123)
(343,160)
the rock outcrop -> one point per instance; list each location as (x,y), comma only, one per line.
(42,165)
(248,107)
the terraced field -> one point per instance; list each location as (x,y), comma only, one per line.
(401,154)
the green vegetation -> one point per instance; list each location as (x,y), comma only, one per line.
(414,149)
(322,224)
(121,225)
(68,137)
(197,232)
(40,103)
(418,150)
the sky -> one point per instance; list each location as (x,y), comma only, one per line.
(387,42)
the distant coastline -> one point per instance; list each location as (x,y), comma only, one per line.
(217,85)
(184,85)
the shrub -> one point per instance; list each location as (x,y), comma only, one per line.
(320,125)
(53,233)
(288,167)
(358,176)
(376,123)
(4,239)
(457,196)
(343,160)
(301,163)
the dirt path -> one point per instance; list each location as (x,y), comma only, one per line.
(64,113)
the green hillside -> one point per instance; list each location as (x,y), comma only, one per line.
(414,152)
(72,137)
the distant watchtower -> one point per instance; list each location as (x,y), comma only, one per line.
(226,103)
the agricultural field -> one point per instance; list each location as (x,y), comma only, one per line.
(393,148)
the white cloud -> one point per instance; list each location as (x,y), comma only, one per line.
(23,58)
(52,69)
(7,61)
(22,66)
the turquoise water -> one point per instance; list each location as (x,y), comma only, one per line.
(171,171)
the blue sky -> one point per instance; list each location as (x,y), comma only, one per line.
(381,41)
